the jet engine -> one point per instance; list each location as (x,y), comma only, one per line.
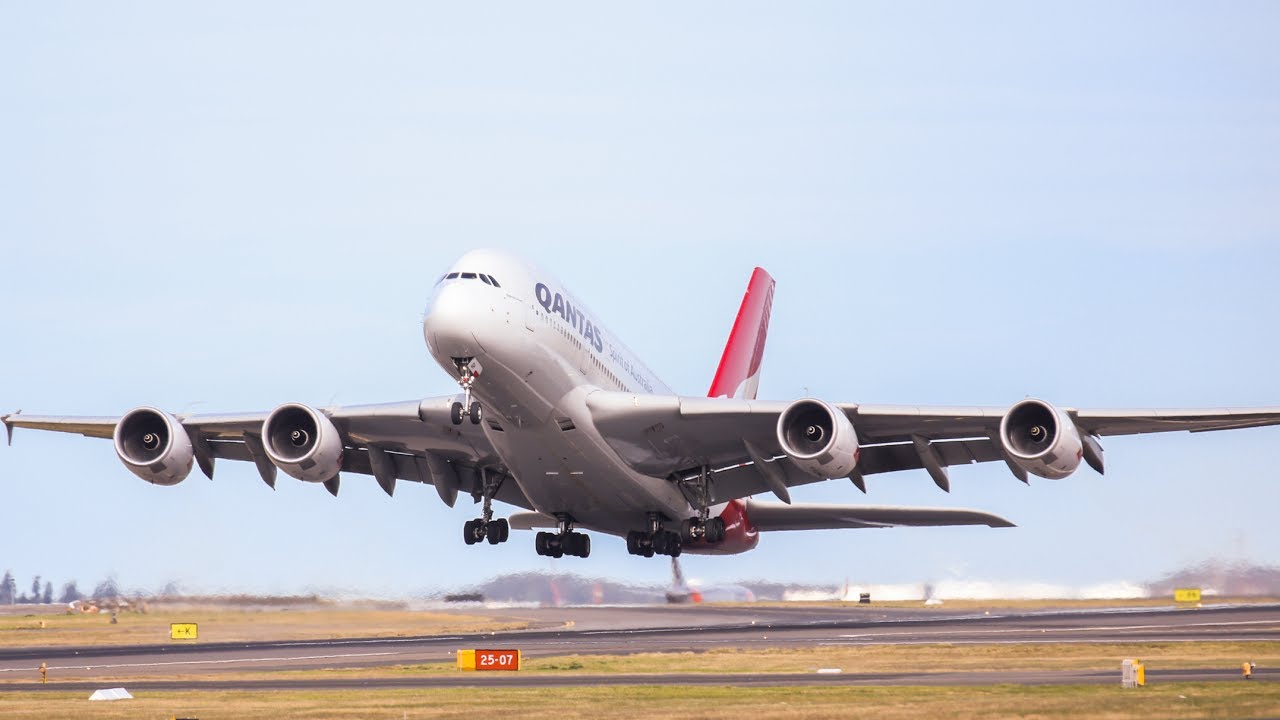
(818,438)
(303,442)
(154,446)
(1041,439)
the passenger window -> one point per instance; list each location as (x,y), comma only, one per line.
(468,276)
(451,276)
(485,278)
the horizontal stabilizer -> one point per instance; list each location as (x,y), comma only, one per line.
(775,516)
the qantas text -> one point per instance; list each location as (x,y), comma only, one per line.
(556,303)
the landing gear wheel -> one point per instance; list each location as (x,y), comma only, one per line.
(455,413)
(475,413)
(715,530)
(540,543)
(471,532)
(674,546)
(687,531)
(633,542)
(497,531)
(576,544)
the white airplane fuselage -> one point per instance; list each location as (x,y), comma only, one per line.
(541,352)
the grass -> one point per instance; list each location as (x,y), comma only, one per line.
(1182,700)
(923,658)
(220,625)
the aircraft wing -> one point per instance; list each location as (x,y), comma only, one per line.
(416,438)
(676,436)
(767,517)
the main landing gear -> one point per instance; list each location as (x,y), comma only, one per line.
(655,541)
(703,527)
(709,529)
(564,542)
(468,371)
(486,528)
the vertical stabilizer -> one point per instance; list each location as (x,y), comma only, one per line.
(739,373)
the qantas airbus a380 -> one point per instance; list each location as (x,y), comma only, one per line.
(557,417)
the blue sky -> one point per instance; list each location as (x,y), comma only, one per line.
(228,207)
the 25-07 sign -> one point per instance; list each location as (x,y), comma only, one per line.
(497,659)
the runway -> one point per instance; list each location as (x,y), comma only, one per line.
(628,630)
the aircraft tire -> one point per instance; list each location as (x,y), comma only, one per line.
(715,530)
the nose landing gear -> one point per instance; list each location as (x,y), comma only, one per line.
(468,371)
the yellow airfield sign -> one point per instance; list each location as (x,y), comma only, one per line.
(1186,595)
(183,631)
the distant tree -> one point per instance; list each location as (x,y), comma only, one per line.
(47,597)
(70,593)
(107,589)
(35,591)
(8,589)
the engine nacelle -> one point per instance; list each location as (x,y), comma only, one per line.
(818,438)
(154,446)
(1041,439)
(303,442)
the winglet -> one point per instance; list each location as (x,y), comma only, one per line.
(738,375)
(8,426)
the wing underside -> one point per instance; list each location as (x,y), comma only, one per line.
(736,439)
(414,441)
(767,517)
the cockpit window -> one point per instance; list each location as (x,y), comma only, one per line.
(493,280)
(468,276)
(485,278)
(451,276)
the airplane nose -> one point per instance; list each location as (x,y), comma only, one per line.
(453,315)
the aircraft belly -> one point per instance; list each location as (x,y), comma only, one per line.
(556,475)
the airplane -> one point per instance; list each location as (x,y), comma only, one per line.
(556,417)
(682,593)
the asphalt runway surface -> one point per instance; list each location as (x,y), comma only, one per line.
(627,630)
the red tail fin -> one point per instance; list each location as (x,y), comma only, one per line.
(739,373)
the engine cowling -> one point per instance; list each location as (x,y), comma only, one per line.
(1041,439)
(154,446)
(818,438)
(303,442)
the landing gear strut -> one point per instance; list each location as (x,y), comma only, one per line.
(654,541)
(564,542)
(485,527)
(468,371)
(702,527)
